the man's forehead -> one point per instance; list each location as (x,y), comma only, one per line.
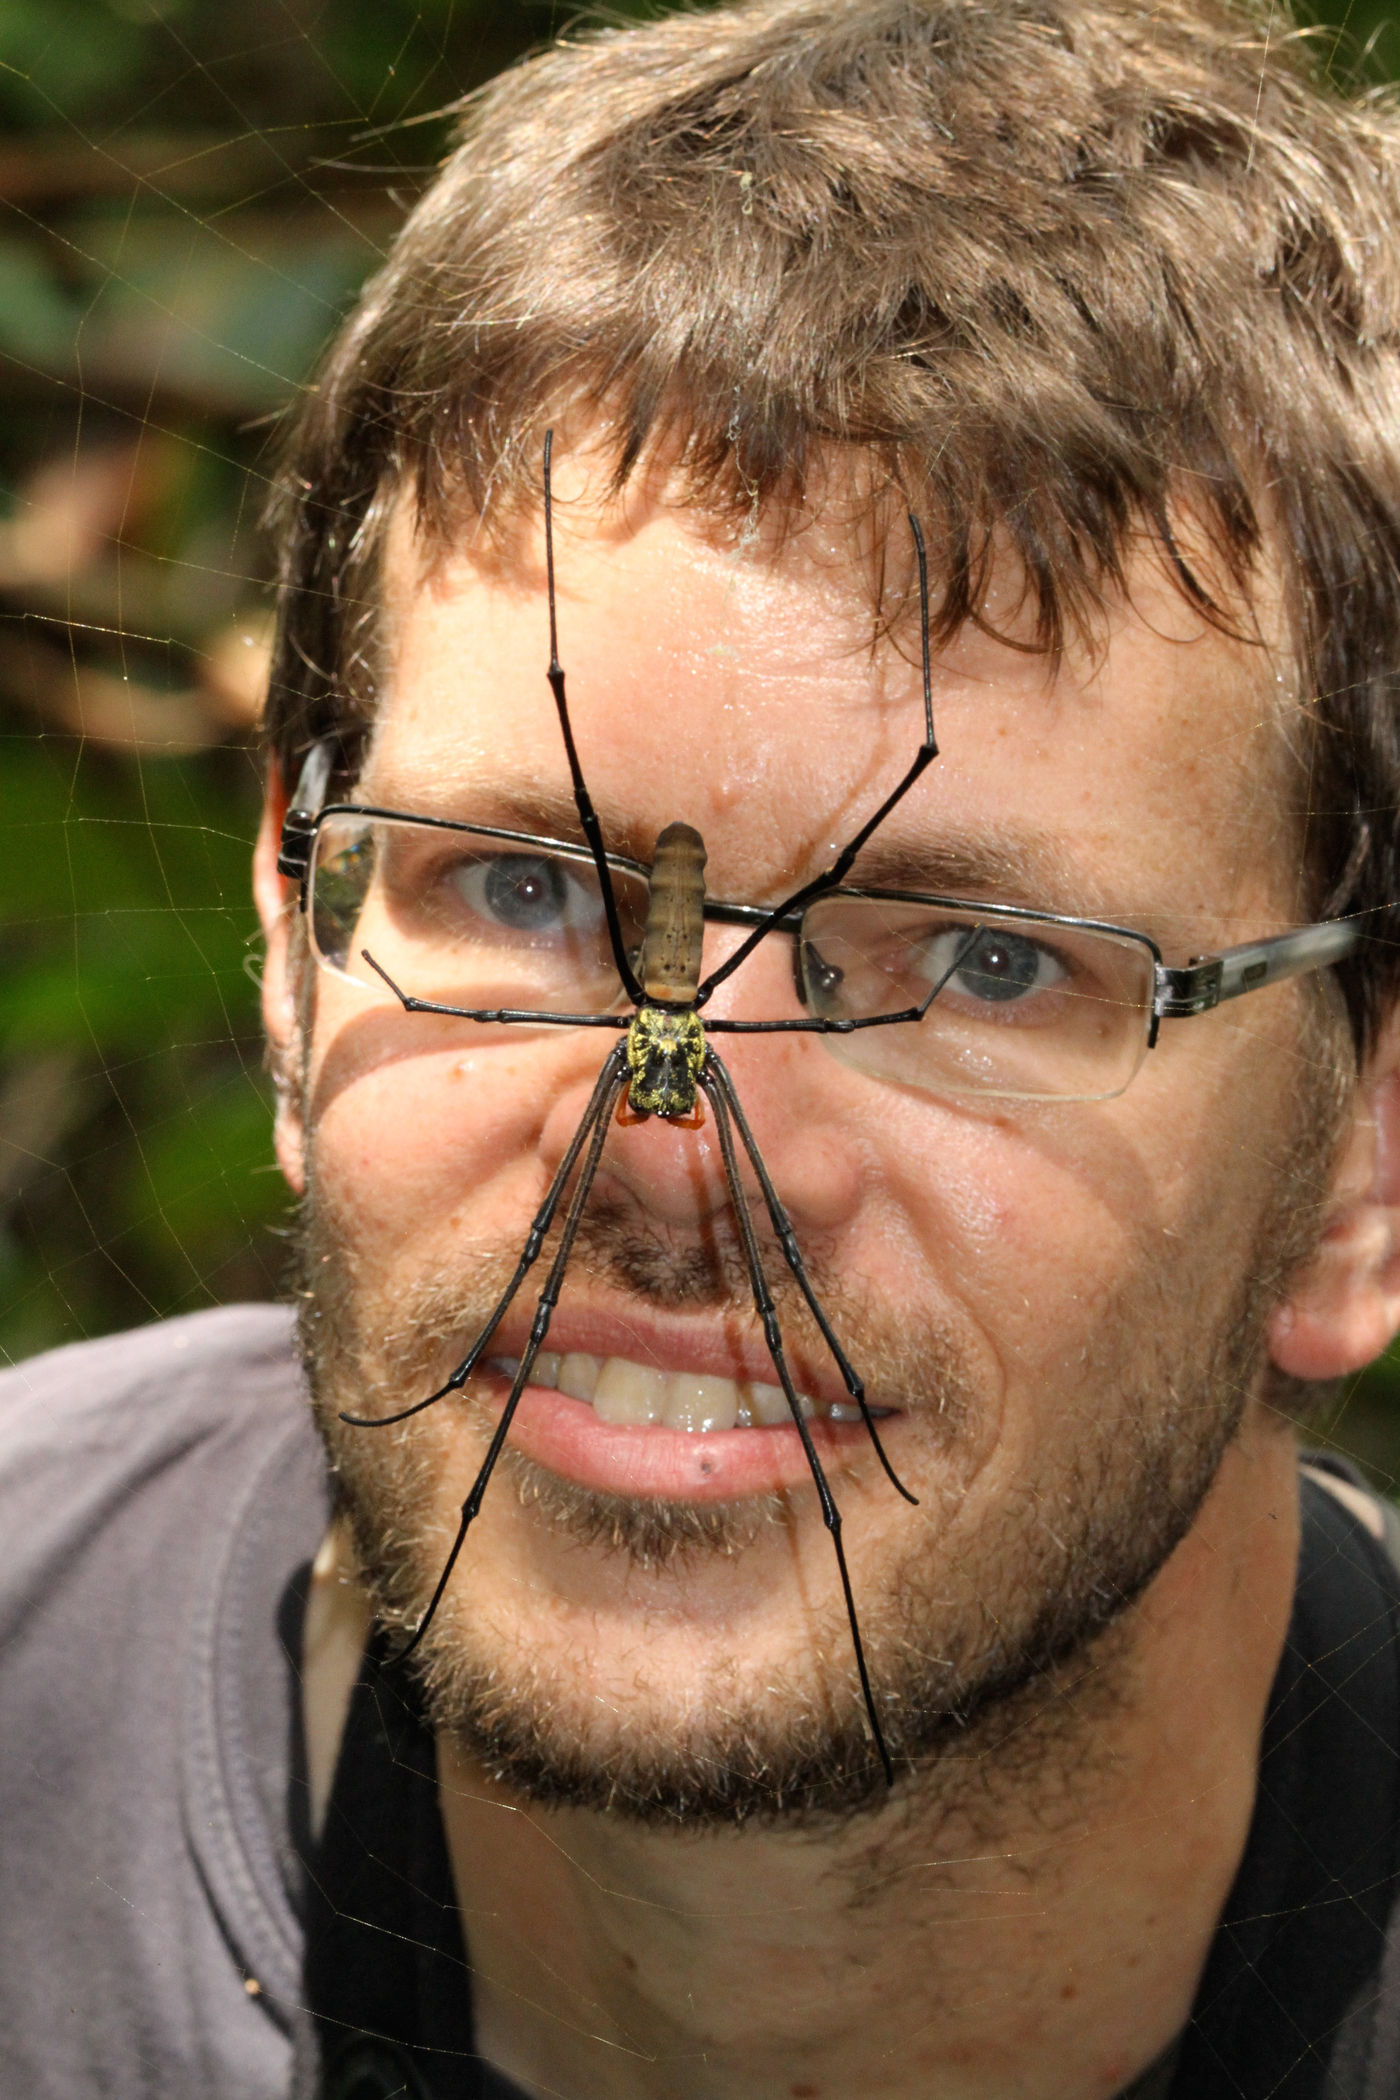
(1001,861)
(761,666)
(847,563)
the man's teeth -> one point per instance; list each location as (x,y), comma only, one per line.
(635,1394)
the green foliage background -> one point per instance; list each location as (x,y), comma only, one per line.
(190,194)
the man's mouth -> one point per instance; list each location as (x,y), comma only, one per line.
(634,1396)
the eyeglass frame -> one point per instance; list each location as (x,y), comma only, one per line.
(1203,983)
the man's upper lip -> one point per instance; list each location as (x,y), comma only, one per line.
(665,1344)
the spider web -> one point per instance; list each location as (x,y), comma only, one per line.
(192,194)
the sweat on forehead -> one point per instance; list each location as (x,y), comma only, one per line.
(847,564)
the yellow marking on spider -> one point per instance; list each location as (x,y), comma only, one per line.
(665,1056)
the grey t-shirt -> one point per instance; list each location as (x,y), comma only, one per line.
(161,1497)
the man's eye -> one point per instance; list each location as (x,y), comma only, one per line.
(991,966)
(526,893)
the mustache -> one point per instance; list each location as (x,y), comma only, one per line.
(708,1274)
(417,1338)
(380,1349)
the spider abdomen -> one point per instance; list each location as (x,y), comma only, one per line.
(675,933)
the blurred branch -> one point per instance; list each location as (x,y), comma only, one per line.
(122,712)
(53,170)
(40,1101)
(69,510)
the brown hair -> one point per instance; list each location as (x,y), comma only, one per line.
(1051,267)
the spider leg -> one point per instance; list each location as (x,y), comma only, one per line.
(534,1240)
(815,1024)
(792,1254)
(772,1335)
(811,1024)
(841,866)
(600,1108)
(411,1005)
(583,801)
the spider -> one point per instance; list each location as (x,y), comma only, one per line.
(1037,1005)
(663,1063)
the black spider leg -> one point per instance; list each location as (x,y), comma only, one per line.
(832,877)
(534,1240)
(813,1024)
(493,1013)
(600,1109)
(792,1255)
(773,1337)
(583,801)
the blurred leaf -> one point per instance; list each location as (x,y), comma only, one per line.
(36,318)
(230,318)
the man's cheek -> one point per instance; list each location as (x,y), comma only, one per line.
(400,1147)
(1011,1223)
(1037,1232)
(428,1136)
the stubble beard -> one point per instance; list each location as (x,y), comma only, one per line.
(991,1664)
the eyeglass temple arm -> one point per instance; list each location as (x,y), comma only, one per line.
(303,813)
(1207,979)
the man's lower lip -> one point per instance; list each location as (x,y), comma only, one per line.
(566,1437)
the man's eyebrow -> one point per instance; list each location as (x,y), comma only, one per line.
(539,808)
(999,865)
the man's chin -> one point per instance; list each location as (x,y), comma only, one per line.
(586,1704)
(637,1728)
(757,1732)
(793,1762)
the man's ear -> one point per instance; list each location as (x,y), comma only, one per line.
(276,899)
(1343,1306)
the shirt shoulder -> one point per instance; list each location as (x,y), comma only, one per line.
(177,1373)
(85,1429)
(161,1493)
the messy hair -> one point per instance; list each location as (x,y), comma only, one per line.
(1051,270)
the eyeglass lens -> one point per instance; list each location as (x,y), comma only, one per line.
(467,920)
(1019,1007)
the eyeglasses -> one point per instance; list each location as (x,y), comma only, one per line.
(1008,1002)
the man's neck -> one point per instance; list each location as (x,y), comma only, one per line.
(1033,1918)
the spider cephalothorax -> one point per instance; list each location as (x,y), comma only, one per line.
(665,1056)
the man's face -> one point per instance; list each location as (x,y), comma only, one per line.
(1059,1305)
